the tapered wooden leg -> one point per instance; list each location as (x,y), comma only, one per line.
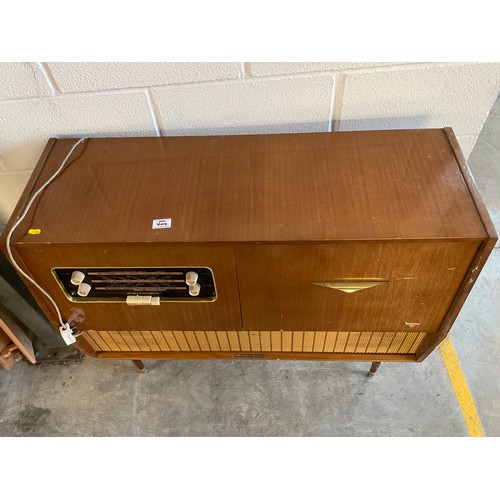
(140,365)
(374,368)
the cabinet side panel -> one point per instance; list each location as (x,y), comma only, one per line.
(477,264)
(471,186)
(473,271)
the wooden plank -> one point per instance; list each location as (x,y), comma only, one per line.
(113,346)
(375,340)
(201,337)
(407,342)
(127,337)
(396,343)
(418,342)
(244,340)
(286,341)
(273,355)
(94,346)
(171,340)
(4,340)
(297,341)
(254,341)
(308,341)
(223,341)
(352,341)
(139,340)
(276,341)
(341,341)
(14,330)
(319,341)
(160,340)
(149,338)
(212,341)
(234,341)
(94,335)
(265,341)
(364,340)
(330,341)
(181,340)
(192,340)
(387,338)
(120,341)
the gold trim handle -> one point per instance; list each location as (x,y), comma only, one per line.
(350,286)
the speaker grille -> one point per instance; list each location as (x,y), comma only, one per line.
(253,341)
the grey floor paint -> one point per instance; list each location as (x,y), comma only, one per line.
(276,398)
(230,398)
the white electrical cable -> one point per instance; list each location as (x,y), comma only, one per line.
(21,218)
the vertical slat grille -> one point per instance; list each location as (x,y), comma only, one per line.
(331,338)
(319,341)
(265,341)
(254,341)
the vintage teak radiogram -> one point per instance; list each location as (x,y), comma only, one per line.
(323,246)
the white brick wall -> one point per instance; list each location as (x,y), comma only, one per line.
(247,106)
(42,100)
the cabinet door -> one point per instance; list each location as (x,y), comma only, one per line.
(350,286)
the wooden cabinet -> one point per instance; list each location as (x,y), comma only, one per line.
(347,246)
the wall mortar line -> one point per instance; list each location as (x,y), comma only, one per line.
(50,78)
(155,113)
(338,104)
(248,69)
(332,106)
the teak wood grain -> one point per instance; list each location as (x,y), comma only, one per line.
(485,248)
(268,214)
(222,314)
(293,187)
(421,281)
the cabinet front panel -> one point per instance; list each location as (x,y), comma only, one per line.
(350,286)
(221,312)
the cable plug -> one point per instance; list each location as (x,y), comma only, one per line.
(67,334)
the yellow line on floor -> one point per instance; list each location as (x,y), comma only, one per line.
(461,389)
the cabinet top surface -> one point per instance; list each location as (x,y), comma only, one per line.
(399,184)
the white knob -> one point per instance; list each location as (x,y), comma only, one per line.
(83,289)
(191,278)
(77,277)
(194,290)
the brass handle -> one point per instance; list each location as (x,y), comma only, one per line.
(350,286)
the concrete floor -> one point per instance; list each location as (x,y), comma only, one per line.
(277,398)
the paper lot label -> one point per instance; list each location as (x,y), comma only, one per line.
(162,223)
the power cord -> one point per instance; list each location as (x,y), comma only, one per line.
(65,329)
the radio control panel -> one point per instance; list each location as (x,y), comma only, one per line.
(137,285)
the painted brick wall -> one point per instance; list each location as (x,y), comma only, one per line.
(42,100)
